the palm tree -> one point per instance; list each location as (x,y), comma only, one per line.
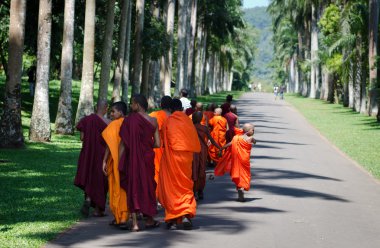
(139,26)
(86,97)
(11,134)
(373,28)
(40,121)
(63,122)
(124,95)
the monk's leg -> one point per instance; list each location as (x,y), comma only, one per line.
(135,225)
(241,195)
(85,210)
(187,224)
(151,222)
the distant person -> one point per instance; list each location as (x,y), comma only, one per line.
(236,160)
(209,113)
(32,79)
(226,106)
(282,90)
(184,100)
(117,195)
(275,92)
(259,87)
(90,177)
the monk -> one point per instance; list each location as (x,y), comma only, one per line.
(233,121)
(199,108)
(236,160)
(90,177)
(139,135)
(226,106)
(219,128)
(161,116)
(210,111)
(200,159)
(117,195)
(176,185)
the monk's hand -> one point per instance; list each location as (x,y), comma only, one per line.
(220,153)
(253,141)
(104,167)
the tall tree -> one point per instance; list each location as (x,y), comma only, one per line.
(40,121)
(120,52)
(63,121)
(124,95)
(168,56)
(86,97)
(11,134)
(191,57)
(139,26)
(107,52)
(181,50)
(373,28)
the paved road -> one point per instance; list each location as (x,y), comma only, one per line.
(305,194)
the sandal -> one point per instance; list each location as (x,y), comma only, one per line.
(113,223)
(124,226)
(101,214)
(85,210)
(154,225)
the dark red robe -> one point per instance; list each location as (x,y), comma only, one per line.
(231,120)
(90,177)
(200,159)
(137,164)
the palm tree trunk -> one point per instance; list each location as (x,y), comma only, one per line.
(11,135)
(120,52)
(40,121)
(86,97)
(351,86)
(125,80)
(63,121)
(314,52)
(373,24)
(191,48)
(107,52)
(139,26)
(181,50)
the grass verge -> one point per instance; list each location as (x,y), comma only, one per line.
(38,198)
(355,134)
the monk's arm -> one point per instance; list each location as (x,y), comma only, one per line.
(227,145)
(81,136)
(212,140)
(105,158)
(228,128)
(237,123)
(157,141)
(121,149)
(206,118)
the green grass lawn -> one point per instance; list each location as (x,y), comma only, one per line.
(38,198)
(355,134)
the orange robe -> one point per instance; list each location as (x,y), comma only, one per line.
(218,133)
(117,195)
(176,185)
(236,160)
(209,115)
(161,118)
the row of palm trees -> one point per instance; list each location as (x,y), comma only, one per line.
(327,49)
(205,35)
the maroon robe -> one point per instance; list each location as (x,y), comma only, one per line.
(189,111)
(200,159)
(225,108)
(90,177)
(231,120)
(137,164)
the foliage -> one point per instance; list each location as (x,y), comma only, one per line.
(355,134)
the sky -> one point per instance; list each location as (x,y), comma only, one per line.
(255,3)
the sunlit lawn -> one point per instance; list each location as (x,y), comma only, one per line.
(38,198)
(355,134)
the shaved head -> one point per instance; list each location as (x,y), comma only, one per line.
(218,111)
(233,109)
(101,107)
(199,106)
(248,126)
(197,117)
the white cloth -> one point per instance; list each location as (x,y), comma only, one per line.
(185,103)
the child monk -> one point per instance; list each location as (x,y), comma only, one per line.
(219,128)
(161,116)
(236,160)
(200,159)
(90,177)
(117,195)
(176,185)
